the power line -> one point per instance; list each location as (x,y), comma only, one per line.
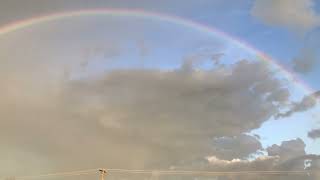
(213,173)
(163,172)
(57,174)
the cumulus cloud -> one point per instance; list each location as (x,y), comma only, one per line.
(296,15)
(288,156)
(292,156)
(314,134)
(288,149)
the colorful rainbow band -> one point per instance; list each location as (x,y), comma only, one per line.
(161,17)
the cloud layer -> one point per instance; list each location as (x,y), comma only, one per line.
(135,118)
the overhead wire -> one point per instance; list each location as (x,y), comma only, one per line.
(163,172)
(174,172)
(57,174)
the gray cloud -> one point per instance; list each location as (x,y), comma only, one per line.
(216,58)
(288,156)
(203,55)
(305,104)
(132,118)
(288,149)
(306,60)
(314,134)
(292,156)
(100,52)
(224,147)
(296,15)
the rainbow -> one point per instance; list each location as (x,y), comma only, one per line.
(19,25)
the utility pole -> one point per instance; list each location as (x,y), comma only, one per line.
(102,173)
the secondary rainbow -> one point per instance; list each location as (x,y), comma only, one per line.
(19,25)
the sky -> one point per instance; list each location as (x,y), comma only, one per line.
(161,85)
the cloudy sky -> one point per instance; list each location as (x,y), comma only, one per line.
(160,85)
